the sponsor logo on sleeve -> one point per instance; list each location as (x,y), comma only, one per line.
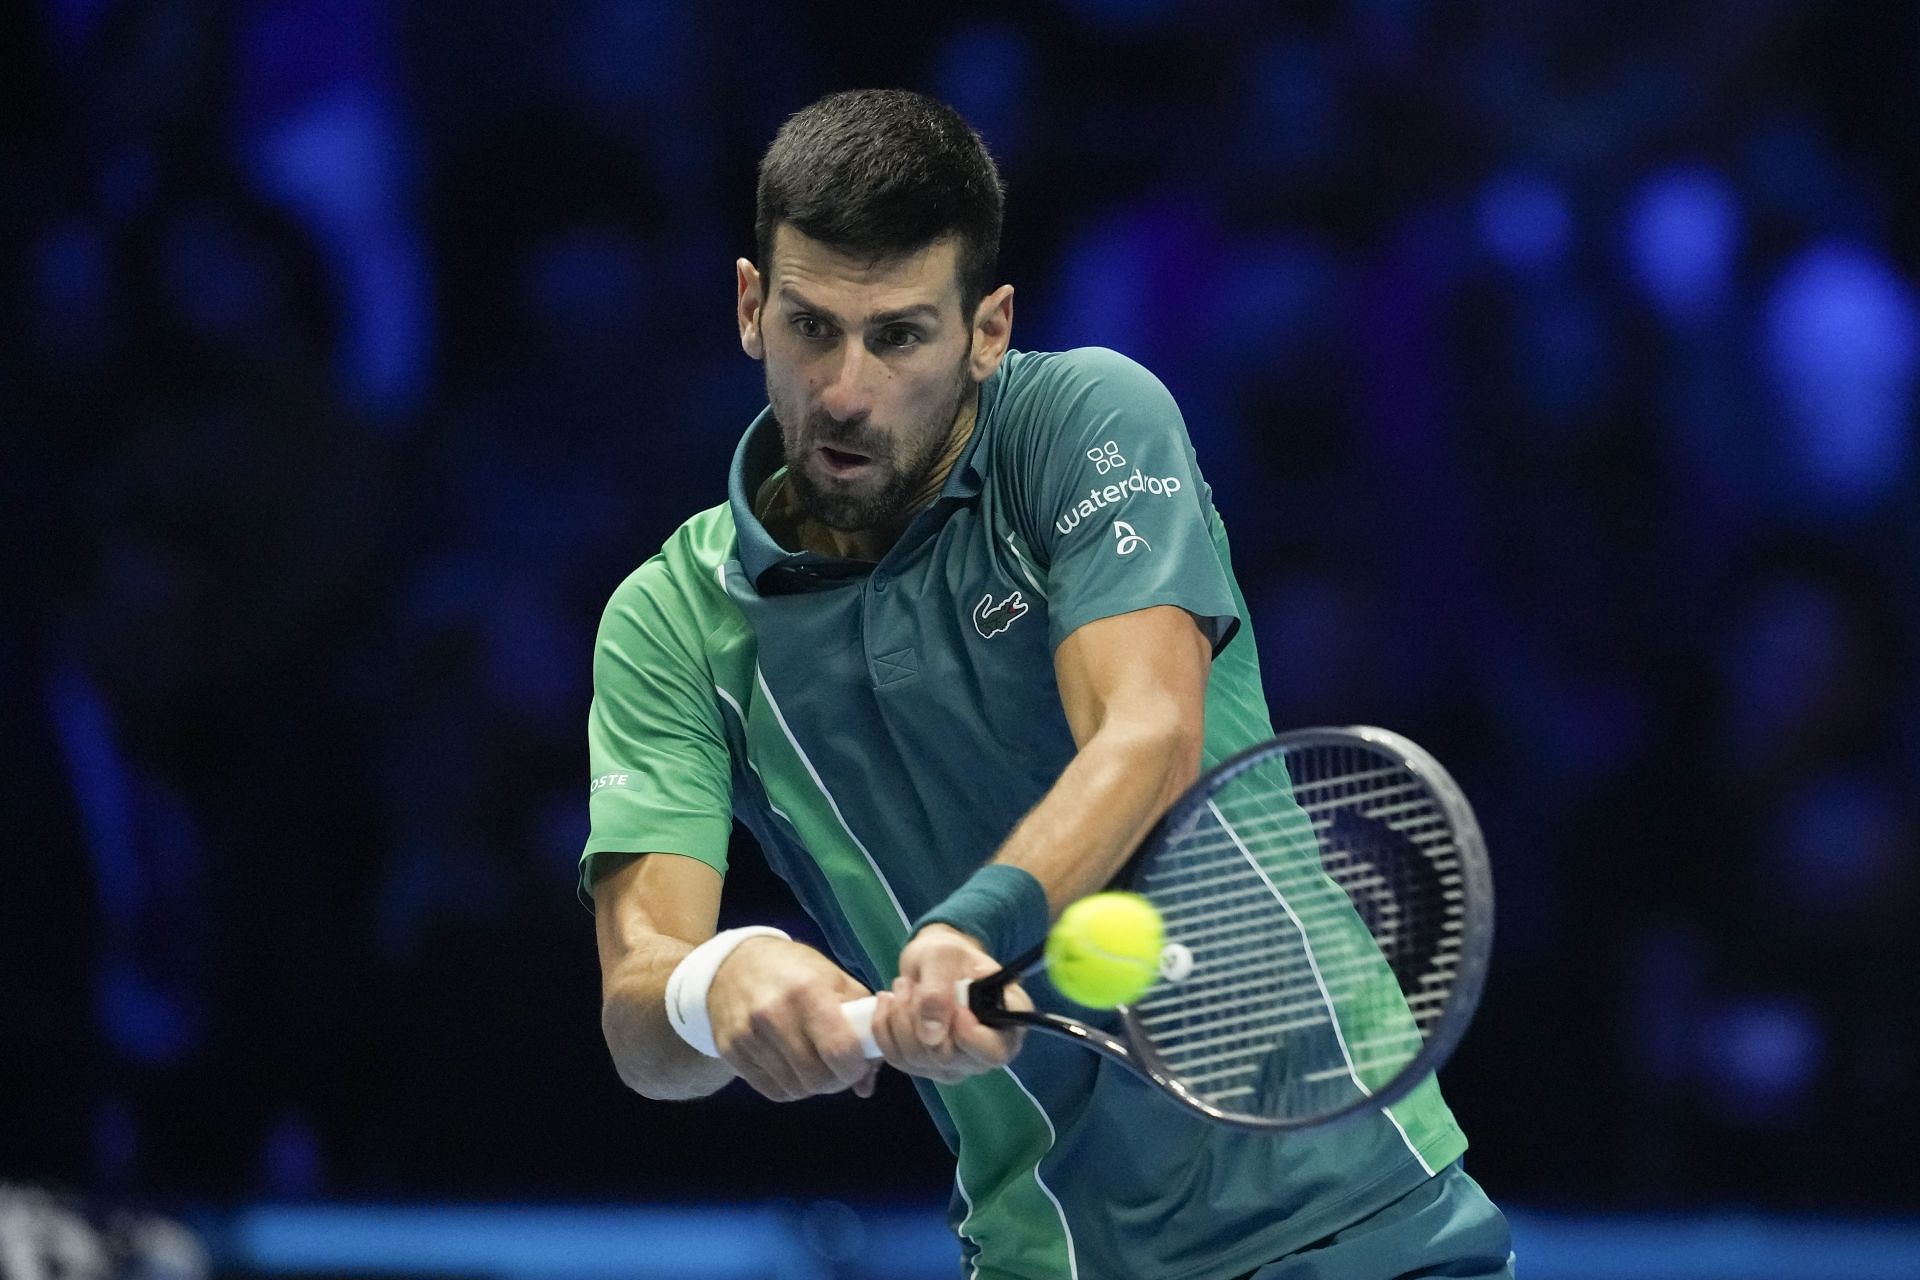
(1103,496)
(1106,458)
(990,619)
(606,780)
(1126,541)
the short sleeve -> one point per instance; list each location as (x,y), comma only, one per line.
(661,773)
(1123,520)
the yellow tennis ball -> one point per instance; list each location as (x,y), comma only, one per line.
(1104,950)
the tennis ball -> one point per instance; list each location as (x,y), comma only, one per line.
(1104,950)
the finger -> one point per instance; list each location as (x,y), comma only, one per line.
(895,1032)
(863,1087)
(811,1071)
(834,1045)
(771,1079)
(944,1064)
(991,1045)
(905,1049)
(767,1050)
(891,1031)
(985,1045)
(934,1008)
(785,1048)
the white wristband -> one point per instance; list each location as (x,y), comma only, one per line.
(687,984)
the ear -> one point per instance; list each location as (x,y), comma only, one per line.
(992,331)
(750,298)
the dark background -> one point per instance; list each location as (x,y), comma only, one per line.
(1553,365)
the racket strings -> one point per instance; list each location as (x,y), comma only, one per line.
(1317,963)
(1220,920)
(1250,908)
(1246,986)
(1278,809)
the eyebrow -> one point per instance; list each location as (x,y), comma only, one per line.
(876,320)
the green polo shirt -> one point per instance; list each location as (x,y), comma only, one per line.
(880,728)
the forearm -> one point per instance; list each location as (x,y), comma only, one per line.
(1069,845)
(1101,807)
(1133,687)
(648,1053)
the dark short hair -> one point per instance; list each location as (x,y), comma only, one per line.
(878,173)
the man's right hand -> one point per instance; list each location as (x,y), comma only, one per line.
(775,1010)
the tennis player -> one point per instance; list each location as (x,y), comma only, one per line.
(963,627)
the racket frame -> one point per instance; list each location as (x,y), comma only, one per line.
(1133,1048)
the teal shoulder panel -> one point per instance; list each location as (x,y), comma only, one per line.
(1108,494)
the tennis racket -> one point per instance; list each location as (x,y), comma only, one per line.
(1329,915)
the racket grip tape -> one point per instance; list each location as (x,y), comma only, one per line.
(860,1016)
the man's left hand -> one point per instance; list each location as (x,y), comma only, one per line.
(924,1030)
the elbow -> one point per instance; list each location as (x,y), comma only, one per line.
(627,1044)
(648,1079)
(635,1075)
(654,1088)
(647,1065)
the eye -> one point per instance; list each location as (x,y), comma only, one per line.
(810,328)
(899,337)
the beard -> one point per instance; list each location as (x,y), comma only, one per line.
(902,459)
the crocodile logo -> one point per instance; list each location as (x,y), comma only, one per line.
(990,619)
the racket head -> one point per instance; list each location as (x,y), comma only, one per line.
(1329,914)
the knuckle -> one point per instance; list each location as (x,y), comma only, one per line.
(763,1017)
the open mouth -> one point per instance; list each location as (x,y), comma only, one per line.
(843,462)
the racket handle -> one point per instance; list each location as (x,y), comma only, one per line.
(860,1016)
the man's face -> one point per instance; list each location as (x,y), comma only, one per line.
(867,368)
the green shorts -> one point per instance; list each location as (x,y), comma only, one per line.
(1446,1226)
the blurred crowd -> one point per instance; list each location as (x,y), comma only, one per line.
(1554,366)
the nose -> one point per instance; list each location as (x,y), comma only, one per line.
(848,395)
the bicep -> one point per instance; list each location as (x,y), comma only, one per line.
(1146,669)
(653,895)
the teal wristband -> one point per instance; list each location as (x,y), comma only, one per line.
(1003,907)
